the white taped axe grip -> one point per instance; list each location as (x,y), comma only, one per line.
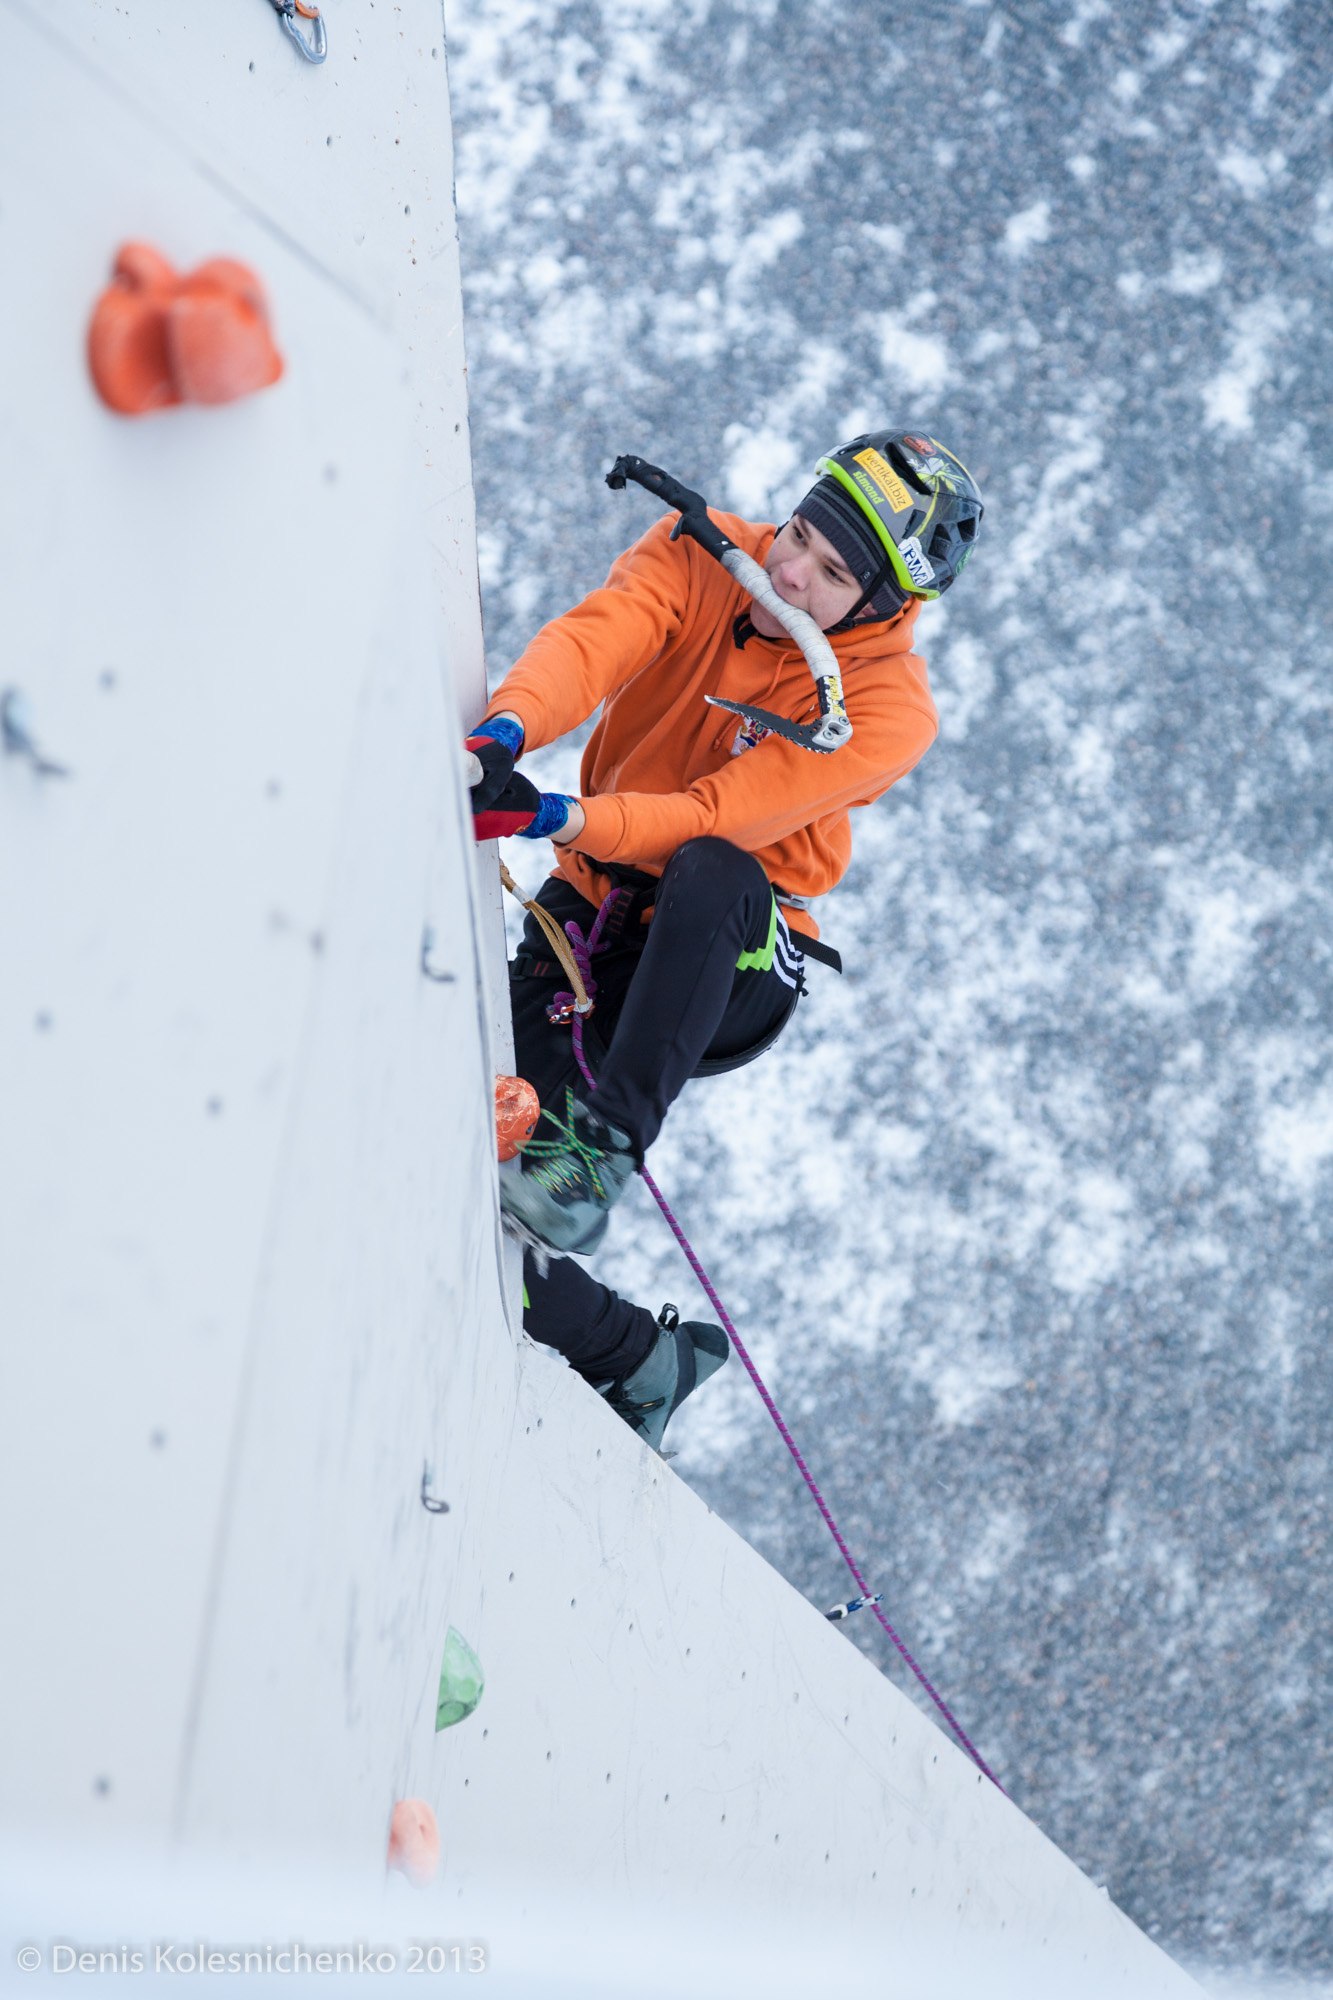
(835,728)
(819,655)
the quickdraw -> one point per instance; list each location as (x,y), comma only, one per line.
(287,11)
(841,1611)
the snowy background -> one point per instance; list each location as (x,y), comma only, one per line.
(1027,1217)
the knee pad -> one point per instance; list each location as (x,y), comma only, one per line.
(709,864)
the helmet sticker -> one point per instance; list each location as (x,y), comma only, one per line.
(918,565)
(886,479)
(927,461)
(923,445)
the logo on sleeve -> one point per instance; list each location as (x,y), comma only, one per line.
(748,736)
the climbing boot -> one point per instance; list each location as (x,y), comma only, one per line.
(677,1362)
(569,1184)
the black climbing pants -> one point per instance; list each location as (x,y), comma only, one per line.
(708,984)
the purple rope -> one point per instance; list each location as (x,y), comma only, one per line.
(583,956)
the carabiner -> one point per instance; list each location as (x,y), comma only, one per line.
(317,48)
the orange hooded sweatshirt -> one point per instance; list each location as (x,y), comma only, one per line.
(663,767)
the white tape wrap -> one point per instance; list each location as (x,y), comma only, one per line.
(819,654)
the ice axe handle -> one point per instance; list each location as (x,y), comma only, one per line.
(695,519)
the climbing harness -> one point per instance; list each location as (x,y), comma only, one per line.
(576,954)
(833,727)
(317,47)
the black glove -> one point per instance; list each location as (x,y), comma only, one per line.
(512,810)
(496,746)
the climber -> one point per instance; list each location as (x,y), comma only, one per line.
(717,830)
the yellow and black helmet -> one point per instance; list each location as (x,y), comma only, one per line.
(920,503)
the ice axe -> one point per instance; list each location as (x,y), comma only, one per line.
(833,727)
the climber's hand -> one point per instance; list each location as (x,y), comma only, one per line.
(511,810)
(495,747)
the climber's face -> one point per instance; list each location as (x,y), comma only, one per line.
(806,571)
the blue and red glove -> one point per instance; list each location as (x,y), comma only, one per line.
(497,746)
(551,814)
(504,802)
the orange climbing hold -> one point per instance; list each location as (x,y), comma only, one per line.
(414,1842)
(218,334)
(517,1110)
(127,341)
(157,338)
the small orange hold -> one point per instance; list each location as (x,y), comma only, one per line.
(144,269)
(517,1109)
(127,339)
(218,334)
(157,339)
(414,1842)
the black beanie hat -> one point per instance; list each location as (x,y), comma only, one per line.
(836,516)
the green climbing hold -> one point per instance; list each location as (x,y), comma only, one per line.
(461,1682)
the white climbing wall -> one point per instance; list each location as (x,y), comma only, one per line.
(252,1286)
